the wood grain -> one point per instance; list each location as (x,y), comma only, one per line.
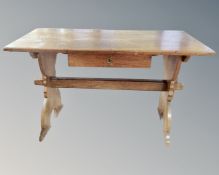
(167,42)
(128,60)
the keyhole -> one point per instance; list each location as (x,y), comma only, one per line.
(109,60)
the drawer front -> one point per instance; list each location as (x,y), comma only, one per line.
(128,60)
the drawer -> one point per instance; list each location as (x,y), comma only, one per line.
(104,59)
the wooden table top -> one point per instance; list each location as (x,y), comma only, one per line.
(168,42)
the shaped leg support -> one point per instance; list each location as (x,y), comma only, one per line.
(52,97)
(171,70)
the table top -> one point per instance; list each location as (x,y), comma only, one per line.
(167,42)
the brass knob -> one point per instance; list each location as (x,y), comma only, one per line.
(109,60)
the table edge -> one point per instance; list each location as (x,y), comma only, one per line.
(66,51)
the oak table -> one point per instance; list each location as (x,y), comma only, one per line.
(109,48)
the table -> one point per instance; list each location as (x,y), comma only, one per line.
(109,48)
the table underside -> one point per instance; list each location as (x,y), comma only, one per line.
(52,83)
(109,60)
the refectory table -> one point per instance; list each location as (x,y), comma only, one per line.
(109,48)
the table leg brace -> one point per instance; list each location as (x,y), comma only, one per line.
(52,97)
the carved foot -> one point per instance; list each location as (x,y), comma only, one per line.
(165,112)
(51,104)
(167,123)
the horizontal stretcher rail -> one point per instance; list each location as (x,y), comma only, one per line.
(108,83)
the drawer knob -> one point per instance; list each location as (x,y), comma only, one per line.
(109,60)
